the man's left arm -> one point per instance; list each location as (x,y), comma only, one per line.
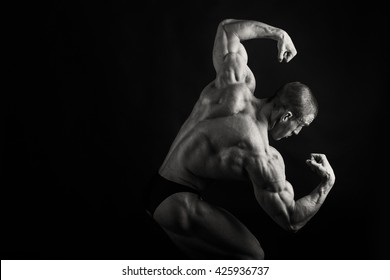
(276,196)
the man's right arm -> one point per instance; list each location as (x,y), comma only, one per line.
(276,196)
(232,32)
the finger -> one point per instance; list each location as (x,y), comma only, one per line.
(281,54)
(315,167)
(289,56)
(315,155)
(310,164)
(313,163)
(318,157)
(286,56)
(318,154)
(324,160)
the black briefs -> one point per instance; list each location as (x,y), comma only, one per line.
(159,189)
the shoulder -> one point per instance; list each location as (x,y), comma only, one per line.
(267,156)
(266,167)
(232,94)
(273,154)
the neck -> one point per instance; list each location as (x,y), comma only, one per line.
(264,112)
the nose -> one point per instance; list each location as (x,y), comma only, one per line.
(296,131)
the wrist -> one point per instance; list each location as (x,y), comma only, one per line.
(328,180)
(280,34)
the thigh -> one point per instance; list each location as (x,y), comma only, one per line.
(203,230)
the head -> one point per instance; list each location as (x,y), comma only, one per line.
(293,108)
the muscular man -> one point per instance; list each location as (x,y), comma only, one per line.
(226,137)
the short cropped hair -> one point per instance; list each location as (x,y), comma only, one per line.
(297,98)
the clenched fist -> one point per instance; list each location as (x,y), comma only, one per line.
(320,164)
(286,48)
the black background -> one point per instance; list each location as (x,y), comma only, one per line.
(100,89)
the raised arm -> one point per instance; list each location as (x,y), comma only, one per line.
(232,32)
(276,196)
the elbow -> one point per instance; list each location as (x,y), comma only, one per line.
(226,21)
(226,24)
(293,228)
(290,227)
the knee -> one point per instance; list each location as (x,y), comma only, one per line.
(257,254)
(174,215)
(254,254)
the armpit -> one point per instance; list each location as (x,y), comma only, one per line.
(250,80)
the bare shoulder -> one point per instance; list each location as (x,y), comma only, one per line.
(274,154)
(266,167)
(271,158)
(222,102)
(231,93)
(267,154)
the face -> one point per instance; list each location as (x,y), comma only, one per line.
(288,126)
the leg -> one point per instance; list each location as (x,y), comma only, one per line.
(204,231)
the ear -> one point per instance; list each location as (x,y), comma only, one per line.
(286,116)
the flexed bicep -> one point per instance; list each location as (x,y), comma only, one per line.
(276,196)
(231,33)
(277,200)
(229,57)
(273,192)
(224,43)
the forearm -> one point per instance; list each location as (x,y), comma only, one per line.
(232,32)
(241,30)
(306,207)
(277,196)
